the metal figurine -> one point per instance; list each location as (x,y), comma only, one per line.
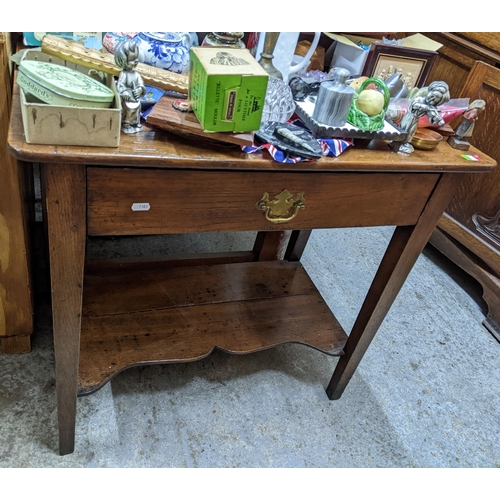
(130,86)
(466,126)
(436,94)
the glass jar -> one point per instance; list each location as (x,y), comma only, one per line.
(224,39)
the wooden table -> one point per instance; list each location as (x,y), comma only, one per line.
(111,315)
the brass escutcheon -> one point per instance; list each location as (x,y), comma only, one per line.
(282,208)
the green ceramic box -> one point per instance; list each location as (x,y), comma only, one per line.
(227,89)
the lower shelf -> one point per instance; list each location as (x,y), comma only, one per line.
(133,316)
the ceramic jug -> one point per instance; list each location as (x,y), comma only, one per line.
(284,58)
(168,51)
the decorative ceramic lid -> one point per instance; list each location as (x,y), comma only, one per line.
(161,36)
(56,84)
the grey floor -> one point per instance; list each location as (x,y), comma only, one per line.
(426,394)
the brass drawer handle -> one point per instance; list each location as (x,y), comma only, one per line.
(281,205)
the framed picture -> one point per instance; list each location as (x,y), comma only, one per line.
(414,65)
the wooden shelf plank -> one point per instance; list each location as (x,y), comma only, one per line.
(121,291)
(183,314)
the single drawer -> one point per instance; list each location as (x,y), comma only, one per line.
(132,201)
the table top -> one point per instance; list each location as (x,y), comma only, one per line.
(159,149)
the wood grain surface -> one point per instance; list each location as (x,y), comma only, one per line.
(166,316)
(185,201)
(64,187)
(490,40)
(16,210)
(455,59)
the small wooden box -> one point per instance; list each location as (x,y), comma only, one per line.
(70,126)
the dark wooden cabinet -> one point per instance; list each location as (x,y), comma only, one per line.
(470,63)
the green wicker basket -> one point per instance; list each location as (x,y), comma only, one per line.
(360,119)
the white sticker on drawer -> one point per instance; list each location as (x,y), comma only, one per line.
(140,207)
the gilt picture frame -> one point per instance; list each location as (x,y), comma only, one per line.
(414,65)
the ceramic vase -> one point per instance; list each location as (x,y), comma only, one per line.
(169,51)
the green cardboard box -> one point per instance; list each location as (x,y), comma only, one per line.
(227,89)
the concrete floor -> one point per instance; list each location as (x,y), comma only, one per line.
(425,394)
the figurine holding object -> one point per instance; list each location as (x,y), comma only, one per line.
(437,93)
(130,86)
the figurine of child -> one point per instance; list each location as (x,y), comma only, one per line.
(437,93)
(130,86)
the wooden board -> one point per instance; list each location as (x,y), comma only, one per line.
(166,117)
(16,310)
(183,314)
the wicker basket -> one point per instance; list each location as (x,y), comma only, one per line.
(360,119)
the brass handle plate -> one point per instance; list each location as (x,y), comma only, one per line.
(282,208)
